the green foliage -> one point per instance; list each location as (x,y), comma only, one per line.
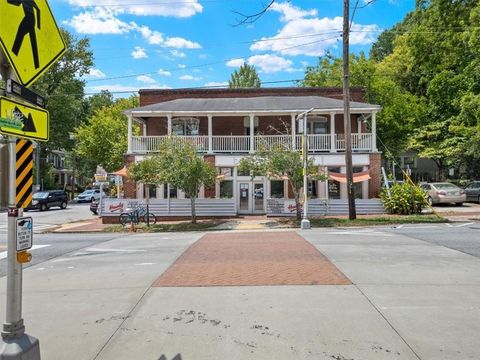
(404,199)
(147,171)
(178,164)
(63,90)
(103,138)
(245,77)
(425,73)
(280,162)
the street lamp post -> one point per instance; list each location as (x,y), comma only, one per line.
(305,224)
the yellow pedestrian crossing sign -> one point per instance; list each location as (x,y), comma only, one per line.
(22,120)
(29,37)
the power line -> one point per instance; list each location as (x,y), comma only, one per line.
(203,65)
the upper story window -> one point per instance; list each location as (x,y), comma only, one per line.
(317,125)
(185,126)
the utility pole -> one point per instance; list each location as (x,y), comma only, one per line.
(352,214)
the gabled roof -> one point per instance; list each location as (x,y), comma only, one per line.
(260,104)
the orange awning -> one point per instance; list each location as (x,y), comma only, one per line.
(357,177)
(122,172)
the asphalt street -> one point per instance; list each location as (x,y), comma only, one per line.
(48,220)
(463,236)
(51,246)
(410,299)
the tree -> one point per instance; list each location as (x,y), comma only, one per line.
(178,164)
(103,138)
(281,162)
(245,77)
(63,89)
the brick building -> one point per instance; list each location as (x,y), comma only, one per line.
(228,124)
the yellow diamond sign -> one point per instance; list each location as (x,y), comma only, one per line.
(22,120)
(29,37)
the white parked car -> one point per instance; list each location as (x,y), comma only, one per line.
(90,195)
(444,193)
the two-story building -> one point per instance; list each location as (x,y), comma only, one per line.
(228,124)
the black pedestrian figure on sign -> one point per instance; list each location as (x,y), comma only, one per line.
(27,26)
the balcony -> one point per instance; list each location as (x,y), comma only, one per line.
(246,144)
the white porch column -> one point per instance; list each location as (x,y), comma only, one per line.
(169,124)
(144,127)
(374,131)
(359,125)
(365,185)
(252,135)
(333,145)
(294,130)
(129,134)
(210,134)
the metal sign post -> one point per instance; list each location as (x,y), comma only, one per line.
(15,343)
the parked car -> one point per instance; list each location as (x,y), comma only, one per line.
(94,207)
(89,196)
(444,192)
(472,191)
(44,200)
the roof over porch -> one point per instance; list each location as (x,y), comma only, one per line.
(244,105)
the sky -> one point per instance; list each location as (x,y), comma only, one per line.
(169,44)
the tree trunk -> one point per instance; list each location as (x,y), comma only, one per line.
(296,193)
(194,215)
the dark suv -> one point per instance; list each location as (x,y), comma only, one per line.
(46,199)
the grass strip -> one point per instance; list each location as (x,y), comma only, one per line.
(175,227)
(377,220)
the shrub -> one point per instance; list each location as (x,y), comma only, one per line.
(404,199)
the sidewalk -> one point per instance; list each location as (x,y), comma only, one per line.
(404,299)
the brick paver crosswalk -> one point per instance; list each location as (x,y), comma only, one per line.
(255,258)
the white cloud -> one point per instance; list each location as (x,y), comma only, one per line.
(182,66)
(235,62)
(98,21)
(105,21)
(190,77)
(180,43)
(290,12)
(270,63)
(164,72)
(95,74)
(216,84)
(153,37)
(139,53)
(177,53)
(146,79)
(305,34)
(172,8)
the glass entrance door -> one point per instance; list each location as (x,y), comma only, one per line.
(251,198)
(258,198)
(244,198)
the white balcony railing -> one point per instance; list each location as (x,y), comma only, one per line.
(241,143)
(230,144)
(273,141)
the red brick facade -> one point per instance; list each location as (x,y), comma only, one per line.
(153,96)
(129,186)
(375,183)
(210,191)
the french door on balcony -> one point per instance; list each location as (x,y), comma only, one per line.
(251,197)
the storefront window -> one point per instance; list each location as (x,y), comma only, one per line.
(333,186)
(152,191)
(173,192)
(226,189)
(312,189)
(277,189)
(358,186)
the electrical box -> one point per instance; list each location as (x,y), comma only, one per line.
(3,175)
